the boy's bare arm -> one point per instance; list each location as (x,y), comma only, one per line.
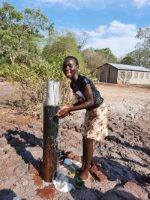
(65,110)
(89,100)
(77,103)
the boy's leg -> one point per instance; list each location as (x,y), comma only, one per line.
(87,155)
(84,147)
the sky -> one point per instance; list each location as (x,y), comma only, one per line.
(106,23)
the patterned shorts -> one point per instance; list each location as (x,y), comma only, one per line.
(95,123)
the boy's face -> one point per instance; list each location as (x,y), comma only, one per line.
(70,68)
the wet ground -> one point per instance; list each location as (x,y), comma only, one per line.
(122,162)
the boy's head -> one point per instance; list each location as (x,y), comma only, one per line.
(70,66)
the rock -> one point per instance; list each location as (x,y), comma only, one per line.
(98,173)
(38,180)
(47,193)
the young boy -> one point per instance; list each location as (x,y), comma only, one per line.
(89,98)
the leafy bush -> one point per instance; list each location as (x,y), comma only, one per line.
(21,59)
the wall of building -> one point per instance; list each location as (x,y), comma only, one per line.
(113,74)
(107,74)
(133,77)
(103,73)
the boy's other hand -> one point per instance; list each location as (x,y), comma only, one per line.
(63,111)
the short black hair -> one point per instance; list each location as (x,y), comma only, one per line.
(71,58)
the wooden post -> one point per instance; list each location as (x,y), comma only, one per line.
(50,129)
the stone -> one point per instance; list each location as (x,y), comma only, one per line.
(97,173)
(38,180)
(47,192)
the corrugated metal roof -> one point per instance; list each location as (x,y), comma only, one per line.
(129,67)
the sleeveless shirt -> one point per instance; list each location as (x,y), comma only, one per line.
(78,86)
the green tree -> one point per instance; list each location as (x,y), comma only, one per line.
(142,52)
(59,47)
(93,59)
(107,53)
(128,60)
(96,57)
(9,23)
(20,32)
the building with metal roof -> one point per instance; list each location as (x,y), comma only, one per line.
(123,74)
(129,67)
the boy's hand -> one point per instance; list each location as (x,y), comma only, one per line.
(63,111)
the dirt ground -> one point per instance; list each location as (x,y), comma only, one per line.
(123,156)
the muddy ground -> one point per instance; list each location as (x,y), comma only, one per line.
(123,156)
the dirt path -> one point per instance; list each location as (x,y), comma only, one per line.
(123,156)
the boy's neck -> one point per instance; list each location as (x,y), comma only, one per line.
(75,77)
